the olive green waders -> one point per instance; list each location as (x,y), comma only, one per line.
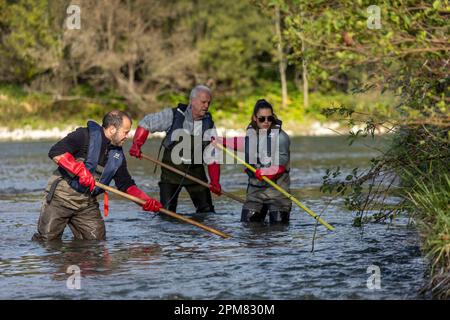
(263,198)
(62,206)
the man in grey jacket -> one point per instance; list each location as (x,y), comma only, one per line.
(194,120)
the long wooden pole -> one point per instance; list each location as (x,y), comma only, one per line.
(273,184)
(165,211)
(184,174)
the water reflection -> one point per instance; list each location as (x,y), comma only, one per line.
(94,258)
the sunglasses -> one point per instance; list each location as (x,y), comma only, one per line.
(269,119)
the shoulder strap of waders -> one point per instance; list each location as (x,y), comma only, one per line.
(174,110)
(157,158)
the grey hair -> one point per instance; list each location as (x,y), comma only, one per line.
(197,89)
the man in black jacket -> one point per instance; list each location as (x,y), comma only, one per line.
(71,194)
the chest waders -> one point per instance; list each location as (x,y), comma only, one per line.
(261,198)
(171,183)
(69,203)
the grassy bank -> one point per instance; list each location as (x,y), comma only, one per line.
(423,168)
(34,110)
(430,199)
(20,108)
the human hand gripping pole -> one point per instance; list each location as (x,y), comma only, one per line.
(140,136)
(150,203)
(142,202)
(274,185)
(272,172)
(68,162)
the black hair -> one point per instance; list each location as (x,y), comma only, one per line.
(262,104)
(115,118)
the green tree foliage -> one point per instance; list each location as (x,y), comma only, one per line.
(28,45)
(339,40)
(234,45)
(140,49)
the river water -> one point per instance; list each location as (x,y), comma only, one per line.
(147,256)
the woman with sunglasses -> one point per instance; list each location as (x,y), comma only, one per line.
(266,148)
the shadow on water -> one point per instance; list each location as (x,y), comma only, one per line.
(95,258)
(259,230)
(196,216)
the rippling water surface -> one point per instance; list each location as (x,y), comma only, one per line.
(147,256)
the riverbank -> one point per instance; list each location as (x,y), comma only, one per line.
(34,115)
(311,130)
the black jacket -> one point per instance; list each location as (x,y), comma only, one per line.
(77,144)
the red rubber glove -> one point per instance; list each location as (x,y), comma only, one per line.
(140,136)
(67,161)
(214,176)
(271,172)
(235,143)
(150,203)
